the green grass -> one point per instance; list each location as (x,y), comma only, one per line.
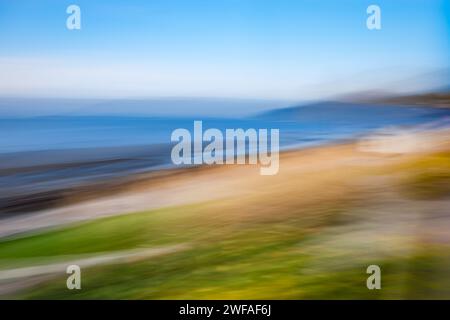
(154,228)
(273,259)
(225,254)
(241,268)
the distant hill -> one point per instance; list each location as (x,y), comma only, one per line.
(348,113)
(437,100)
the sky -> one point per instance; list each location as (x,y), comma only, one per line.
(245,49)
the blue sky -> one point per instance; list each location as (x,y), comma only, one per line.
(265,49)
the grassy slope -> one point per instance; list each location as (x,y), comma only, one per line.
(290,251)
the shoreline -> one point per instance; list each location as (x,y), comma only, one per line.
(184,186)
(36,180)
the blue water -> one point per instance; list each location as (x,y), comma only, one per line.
(298,126)
(60,133)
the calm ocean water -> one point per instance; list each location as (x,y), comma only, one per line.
(299,126)
(62,133)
